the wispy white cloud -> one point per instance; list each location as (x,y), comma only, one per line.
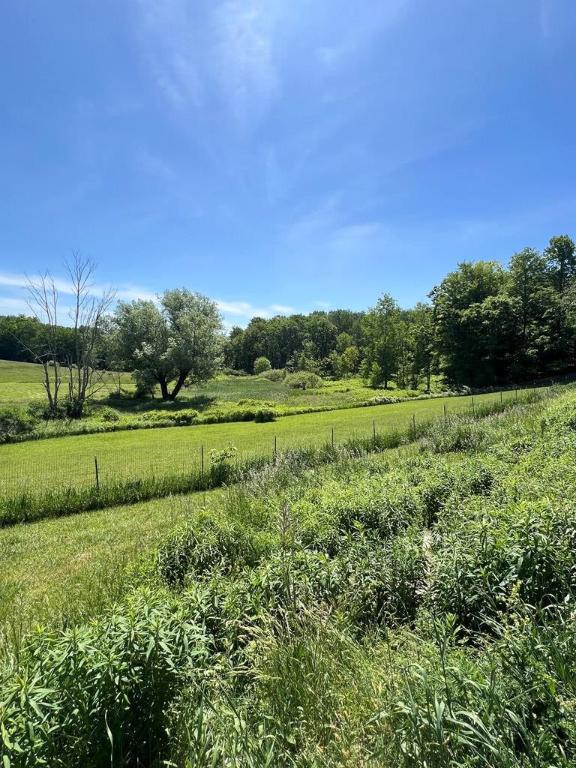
(244,48)
(124,292)
(246,310)
(226,58)
(17,302)
(355,38)
(11,306)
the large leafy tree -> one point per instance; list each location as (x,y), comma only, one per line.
(459,323)
(536,307)
(560,256)
(169,344)
(383,330)
(422,342)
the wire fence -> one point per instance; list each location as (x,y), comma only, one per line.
(100,460)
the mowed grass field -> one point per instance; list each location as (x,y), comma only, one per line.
(69,461)
(21,383)
(73,567)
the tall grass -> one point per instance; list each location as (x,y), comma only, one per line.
(311,623)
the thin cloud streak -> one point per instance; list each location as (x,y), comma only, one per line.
(238,309)
(227,58)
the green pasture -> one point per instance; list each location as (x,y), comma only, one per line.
(73,567)
(70,461)
(21,383)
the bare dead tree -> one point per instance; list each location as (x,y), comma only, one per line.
(85,379)
(80,362)
(43,302)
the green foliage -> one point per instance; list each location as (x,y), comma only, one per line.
(263,415)
(176,342)
(413,609)
(108,414)
(261,364)
(383,331)
(13,421)
(303,380)
(180,417)
(100,694)
(274,374)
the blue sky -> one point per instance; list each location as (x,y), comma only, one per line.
(282,156)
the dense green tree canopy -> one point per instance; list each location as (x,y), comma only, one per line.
(485,325)
(177,341)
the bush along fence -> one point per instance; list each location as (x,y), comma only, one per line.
(217,468)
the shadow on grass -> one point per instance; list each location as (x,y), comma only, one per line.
(127,402)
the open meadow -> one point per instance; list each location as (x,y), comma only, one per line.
(415,605)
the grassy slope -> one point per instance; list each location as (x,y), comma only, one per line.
(69,461)
(73,567)
(319,696)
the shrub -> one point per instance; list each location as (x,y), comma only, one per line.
(262,364)
(263,415)
(304,380)
(233,372)
(274,374)
(456,434)
(208,547)
(382,583)
(100,694)
(108,414)
(485,564)
(178,418)
(187,416)
(14,421)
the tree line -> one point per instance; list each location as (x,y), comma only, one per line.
(484,325)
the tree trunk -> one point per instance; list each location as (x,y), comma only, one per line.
(164,389)
(178,386)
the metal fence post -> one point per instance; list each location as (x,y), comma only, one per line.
(202,460)
(332,437)
(374,430)
(414,425)
(445,412)
(274,446)
(97,473)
